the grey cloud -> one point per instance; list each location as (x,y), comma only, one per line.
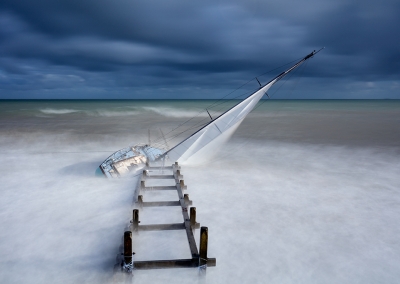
(176,44)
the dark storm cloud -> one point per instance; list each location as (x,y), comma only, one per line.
(125,47)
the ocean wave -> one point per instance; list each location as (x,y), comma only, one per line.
(174,112)
(164,111)
(57,111)
(111,113)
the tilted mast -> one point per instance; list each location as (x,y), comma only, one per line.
(229,120)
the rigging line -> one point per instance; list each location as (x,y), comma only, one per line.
(290,76)
(166,143)
(169,133)
(300,70)
(275,91)
(193,127)
(285,80)
(280,66)
(210,106)
(266,86)
(215,110)
(244,94)
(174,135)
(198,124)
(159,138)
(226,101)
(209,114)
(252,80)
(241,95)
(202,124)
(169,139)
(277,111)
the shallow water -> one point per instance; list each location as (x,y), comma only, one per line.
(304,192)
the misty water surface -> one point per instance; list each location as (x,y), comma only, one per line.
(304,192)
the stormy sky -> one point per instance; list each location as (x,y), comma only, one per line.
(129,49)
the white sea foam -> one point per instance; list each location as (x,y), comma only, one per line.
(112,113)
(277,212)
(57,111)
(164,111)
(176,112)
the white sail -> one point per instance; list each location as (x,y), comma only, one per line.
(231,119)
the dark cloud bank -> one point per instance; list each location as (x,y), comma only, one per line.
(196,49)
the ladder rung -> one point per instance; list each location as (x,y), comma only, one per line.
(154,264)
(159,168)
(156,227)
(173,263)
(161,203)
(159,177)
(172,187)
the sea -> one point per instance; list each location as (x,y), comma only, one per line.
(305,191)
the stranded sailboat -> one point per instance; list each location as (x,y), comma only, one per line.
(135,157)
